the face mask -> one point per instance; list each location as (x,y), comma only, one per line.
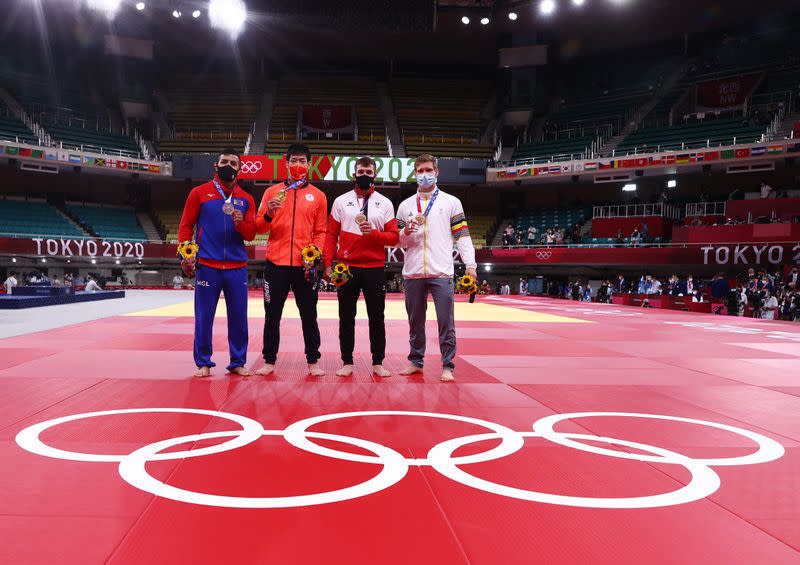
(298,171)
(227,173)
(364,182)
(426,180)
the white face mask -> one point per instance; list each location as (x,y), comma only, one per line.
(426,180)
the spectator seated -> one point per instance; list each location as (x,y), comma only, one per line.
(108,222)
(34,218)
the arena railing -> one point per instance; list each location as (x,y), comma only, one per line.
(637,210)
(629,244)
(705,209)
(15,235)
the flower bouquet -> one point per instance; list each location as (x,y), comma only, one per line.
(312,262)
(340,274)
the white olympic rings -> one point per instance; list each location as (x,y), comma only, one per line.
(544,254)
(132,467)
(250,167)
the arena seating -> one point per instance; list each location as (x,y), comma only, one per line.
(355,91)
(108,221)
(544,218)
(691,135)
(445,120)
(34,218)
(480,227)
(13,129)
(66,113)
(206,119)
(554,150)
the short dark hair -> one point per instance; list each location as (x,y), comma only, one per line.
(229,151)
(298,149)
(366,161)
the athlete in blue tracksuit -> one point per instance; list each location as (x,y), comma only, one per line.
(224,217)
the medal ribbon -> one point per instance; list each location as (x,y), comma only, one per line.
(222,192)
(430,203)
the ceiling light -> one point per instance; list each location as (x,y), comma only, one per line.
(176,14)
(109,7)
(629,188)
(228,15)
(140,6)
(577,2)
(547,7)
(512,16)
(465,20)
(196,14)
(484,21)
(672,183)
(94,261)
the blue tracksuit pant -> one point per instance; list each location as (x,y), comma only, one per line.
(210,281)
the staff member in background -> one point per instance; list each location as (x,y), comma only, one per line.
(224,216)
(11,282)
(430,222)
(91,284)
(362,222)
(293,213)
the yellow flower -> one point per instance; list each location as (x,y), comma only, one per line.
(187,249)
(311,253)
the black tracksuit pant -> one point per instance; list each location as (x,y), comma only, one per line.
(277,283)
(371,282)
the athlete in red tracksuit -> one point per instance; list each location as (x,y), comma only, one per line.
(224,216)
(362,246)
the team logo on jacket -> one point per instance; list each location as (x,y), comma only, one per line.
(310,197)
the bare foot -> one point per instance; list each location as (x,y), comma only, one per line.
(345,371)
(411,370)
(241,371)
(203,372)
(447,376)
(315,371)
(266,370)
(380,371)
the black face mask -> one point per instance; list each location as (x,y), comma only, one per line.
(364,182)
(227,173)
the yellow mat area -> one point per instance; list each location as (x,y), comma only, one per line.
(395,310)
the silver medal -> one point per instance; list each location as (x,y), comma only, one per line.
(228,208)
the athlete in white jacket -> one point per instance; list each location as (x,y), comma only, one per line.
(430,222)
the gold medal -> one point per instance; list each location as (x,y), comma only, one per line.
(281,196)
(360,218)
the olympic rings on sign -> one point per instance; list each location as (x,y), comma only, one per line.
(132,467)
(250,167)
(544,255)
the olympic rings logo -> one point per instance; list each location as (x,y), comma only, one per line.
(250,167)
(394,466)
(544,254)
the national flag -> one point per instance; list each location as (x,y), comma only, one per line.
(62,156)
(606,166)
(501,174)
(775,149)
(566,168)
(743,153)
(88,160)
(669,159)
(590,166)
(696,157)
(641,162)
(122,164)
(524,172)
(51,156)
(758,151)
(656,160)
(511,174)
(543,170)
(155,168)
(37,153)
(793,148)
(11,150)
(728,153)
(579,166)
(682,159)
(24,151)
(99,162)
(73,158)
(710,155)
(554,169)
(628,163)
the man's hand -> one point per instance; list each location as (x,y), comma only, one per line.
(273,206)
(327,274)
(366,229)
(410,228)
(188,267)
(473,272)
(237,216)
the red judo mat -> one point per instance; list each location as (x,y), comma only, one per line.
(608,435)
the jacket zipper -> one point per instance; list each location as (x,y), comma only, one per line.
(291,241)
